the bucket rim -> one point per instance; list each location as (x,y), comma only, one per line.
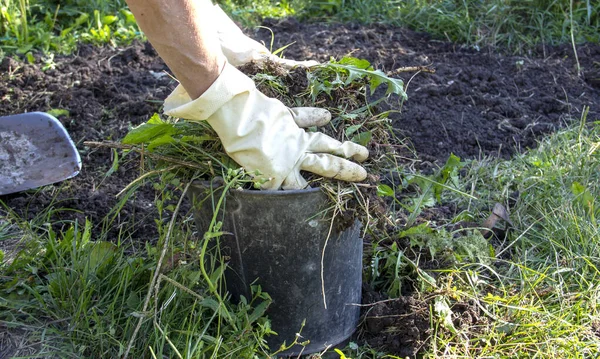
(257,192)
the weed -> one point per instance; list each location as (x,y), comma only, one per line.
(516,25)
(51,27)
(86,297)
(519,25)
(539,300)
(251,12)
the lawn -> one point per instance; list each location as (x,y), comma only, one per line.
(480,218)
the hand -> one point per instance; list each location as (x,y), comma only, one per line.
(261,134)
(240,49)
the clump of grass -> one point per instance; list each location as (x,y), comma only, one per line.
(517,25)
(73,295)
(250,13)
(53,27)
(529,294)
(538,297)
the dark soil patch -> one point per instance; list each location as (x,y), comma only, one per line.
(398,326)
(105,90)
(478,103)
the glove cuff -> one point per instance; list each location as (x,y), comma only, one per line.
(230,83)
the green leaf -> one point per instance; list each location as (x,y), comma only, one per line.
(30,58)
(583,195)
(363,138)
(210,303)
(25,49)
(155,120)
(448,173)
(115,164)
(384,190)
(577,188)
(82,19)
(421,229)
(109,19)
(425,200)
(395,86)
(217,274)
(146,132)
(210,235)
(375,82)
(356,62)
(357,69)
(56,112)
(165,139)
(101,254)
(351,129)
(129,18)
(442,309)
(194,276)
(259,311)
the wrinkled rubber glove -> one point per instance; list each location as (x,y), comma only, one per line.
(261,134)
(240,49)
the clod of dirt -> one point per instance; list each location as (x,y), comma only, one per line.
(466,314)
(8,64)
(396,326)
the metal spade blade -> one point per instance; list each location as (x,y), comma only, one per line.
(35,150)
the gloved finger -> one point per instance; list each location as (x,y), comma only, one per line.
(310,116)
(333,167)
(321,143)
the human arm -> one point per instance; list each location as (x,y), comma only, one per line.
(259,133)
(184,34)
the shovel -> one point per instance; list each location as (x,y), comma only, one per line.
(35,150)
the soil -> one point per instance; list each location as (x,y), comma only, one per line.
(479,102)
(105,91)
(399,325)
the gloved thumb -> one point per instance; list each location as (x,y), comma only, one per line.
(310,116)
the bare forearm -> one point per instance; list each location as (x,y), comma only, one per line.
(182,33)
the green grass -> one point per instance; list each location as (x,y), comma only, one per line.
(75,296)
(540,298)
(72,294)
(51,27)
(536,292)
(516,25)
(58,27)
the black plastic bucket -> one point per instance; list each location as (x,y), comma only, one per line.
(280,239)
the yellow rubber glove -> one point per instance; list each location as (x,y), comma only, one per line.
(261,133)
